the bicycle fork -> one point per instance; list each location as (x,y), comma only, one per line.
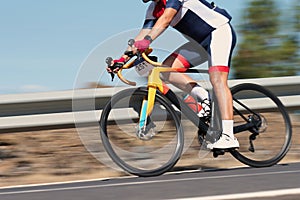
(145,126)
(154,84)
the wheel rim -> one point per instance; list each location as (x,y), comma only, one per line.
(135,155)
(273,140)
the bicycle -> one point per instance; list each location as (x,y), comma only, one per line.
(142,133)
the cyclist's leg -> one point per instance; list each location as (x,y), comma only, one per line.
(219,78)
(222,43)
(188,55)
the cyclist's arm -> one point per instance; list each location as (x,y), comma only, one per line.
(162,23)
(154,27)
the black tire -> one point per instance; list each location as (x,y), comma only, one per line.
(139,157)
(274,127)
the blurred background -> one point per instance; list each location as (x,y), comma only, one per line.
(43,44)
(47,46)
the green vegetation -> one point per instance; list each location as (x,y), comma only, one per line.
(269,41)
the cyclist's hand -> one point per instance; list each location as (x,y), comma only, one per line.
(142,45)
(115,65)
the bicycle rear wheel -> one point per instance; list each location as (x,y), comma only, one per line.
(262,126)
(151,155)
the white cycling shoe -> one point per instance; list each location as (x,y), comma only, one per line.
(225,142)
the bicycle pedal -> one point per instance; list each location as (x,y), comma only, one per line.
(218,152)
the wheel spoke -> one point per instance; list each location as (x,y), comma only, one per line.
(264,134)
(147,150)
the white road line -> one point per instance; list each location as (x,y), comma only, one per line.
(61,183)
(90,180)
(270,193)
(24,191)
(107,178)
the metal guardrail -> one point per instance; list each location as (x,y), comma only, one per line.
(24,112)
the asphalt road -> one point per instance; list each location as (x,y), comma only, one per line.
(277,182)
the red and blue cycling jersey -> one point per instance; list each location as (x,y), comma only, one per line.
(194,18)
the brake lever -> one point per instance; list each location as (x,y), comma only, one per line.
(108,61)
(131,42)
(112,76)
(130,53)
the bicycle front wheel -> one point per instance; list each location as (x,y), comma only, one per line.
(262,126)
(151,154)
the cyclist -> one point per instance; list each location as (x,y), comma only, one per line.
(209,26)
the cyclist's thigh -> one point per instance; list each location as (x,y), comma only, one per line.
(193,53)
(222,43)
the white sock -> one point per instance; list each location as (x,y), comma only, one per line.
(227,126)
(200,92)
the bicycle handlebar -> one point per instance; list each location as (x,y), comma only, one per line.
(144,55)
(129,65)
(130,54)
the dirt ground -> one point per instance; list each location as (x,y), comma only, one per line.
(59,155)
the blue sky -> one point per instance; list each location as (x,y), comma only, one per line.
(44,43)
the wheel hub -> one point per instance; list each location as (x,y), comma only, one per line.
(260,123)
